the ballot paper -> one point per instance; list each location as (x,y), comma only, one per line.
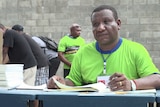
(90,87)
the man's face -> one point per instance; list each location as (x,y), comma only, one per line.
(76,31)
(105,27)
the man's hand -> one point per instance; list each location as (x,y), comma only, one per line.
(119,82)
(52,85)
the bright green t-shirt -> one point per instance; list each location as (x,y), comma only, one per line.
(130,59)
(70,45)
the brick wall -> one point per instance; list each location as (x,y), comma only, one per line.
(140,19)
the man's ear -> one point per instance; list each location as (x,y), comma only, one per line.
(119,23)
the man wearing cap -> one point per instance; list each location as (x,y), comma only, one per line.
(19,52)
(42,73)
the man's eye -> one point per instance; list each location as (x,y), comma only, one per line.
(106,22)
(95,24)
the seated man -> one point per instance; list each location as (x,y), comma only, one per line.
(128,63)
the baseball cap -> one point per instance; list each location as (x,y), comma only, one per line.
(17,27)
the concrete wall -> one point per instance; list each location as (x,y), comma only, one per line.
(140,19)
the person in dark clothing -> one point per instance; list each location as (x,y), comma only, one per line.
(42,62)
(19,52)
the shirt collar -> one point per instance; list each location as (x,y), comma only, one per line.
(110,51)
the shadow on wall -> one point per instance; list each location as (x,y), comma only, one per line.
(60,70)
(1,44)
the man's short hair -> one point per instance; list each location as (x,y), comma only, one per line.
(102,7)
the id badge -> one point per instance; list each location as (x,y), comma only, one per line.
(103,79)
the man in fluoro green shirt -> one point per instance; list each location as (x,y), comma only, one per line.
(128,63)
(69,45)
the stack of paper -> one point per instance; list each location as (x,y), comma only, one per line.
(11,75)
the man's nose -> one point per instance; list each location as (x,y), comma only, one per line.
(101,27)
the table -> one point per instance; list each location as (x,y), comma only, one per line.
(20,98)
(158,98)
(16,98)
(94,99)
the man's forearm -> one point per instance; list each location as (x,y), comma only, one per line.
(149,82)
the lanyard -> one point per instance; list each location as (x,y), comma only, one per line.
(107,52)
(105,62)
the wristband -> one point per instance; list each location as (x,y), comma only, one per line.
(133,85)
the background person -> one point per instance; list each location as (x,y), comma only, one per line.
(19,52)
(42,73)
(68,46)
(128,63)
(52,56)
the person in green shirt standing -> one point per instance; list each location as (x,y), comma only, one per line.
(69,45)
(127,63)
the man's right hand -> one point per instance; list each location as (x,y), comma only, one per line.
(52,85)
